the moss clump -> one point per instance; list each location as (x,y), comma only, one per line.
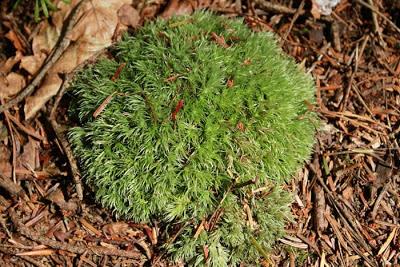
(195,125)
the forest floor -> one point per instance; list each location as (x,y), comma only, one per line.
(347,197)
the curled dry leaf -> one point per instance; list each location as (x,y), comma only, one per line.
(93,32)
(11,84)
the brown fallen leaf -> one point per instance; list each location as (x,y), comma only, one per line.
(348,193)
(116,228)
(11,85)
(315,10)
(5,67)
(149,12)
(220,40)
(30,155)
(230,83)
(103,105)
(32,63)
(129,16)
(178,7)
(57,197)
(16,41)
(93,32)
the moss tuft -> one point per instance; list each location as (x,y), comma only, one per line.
(204,112)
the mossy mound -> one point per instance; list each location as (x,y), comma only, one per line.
(206,119)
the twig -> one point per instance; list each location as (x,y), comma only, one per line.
(308,242)
(347,221)
(64,142)
(295,17)
(59,49)
(13,144)
(376,26)
(379,14)
(267,5)
(25,129)
(26,258)
(73,248)
(170,241)
(348,89)
(379,200)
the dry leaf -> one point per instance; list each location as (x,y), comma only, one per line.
(129,16)
(16,41)
(149,12)
(93,32)
(117,228)
(315,12)
(32,63)
(220,40)
(11,84)
(348,193)
(29,157)
(177,7)
(6,67)
(57,197)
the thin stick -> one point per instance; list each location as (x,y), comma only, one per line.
(267,5)
(379,14)
(64,142)
(379,200)
(348,89)
(295,17)
(24,128)
(14,147)
(346,221)
(54,56)
(376,26)
(26,258)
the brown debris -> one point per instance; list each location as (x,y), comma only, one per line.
(346,209)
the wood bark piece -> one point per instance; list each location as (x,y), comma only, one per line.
(73,248)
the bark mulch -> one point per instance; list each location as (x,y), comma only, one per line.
(346,210)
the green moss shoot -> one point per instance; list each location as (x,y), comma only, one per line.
(196,123)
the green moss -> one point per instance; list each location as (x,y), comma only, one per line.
(147,159)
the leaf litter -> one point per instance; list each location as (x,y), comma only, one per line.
(347,198)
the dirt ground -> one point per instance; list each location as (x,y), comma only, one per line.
(347,197)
